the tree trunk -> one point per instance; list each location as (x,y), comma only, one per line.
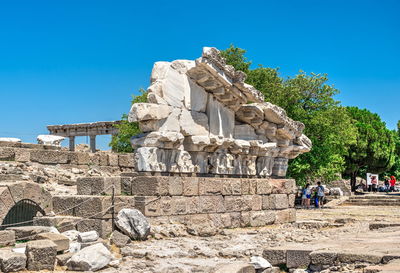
(353,181)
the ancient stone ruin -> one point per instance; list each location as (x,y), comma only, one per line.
(213,155)
(201,117)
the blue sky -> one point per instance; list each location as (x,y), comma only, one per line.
(72,61)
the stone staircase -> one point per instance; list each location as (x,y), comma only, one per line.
(390,199)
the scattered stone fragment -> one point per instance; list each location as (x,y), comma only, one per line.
(61,241)
(87,237)
(238,267)
(133,223)
(11,261)
(91,258)
(41,255)
(29,232)
(63,258)
(71,234)
(7,238)
(259,262)
(119,239)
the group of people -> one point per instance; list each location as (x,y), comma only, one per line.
(390,183)
(316,193)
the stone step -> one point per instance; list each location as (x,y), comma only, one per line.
(375,200)
(372,203)
(383,196)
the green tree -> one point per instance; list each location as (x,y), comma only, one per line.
(121,142)
(374,150)
(309,99)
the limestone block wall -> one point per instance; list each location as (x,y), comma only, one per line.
(218,202)
(51,155)
(225,202)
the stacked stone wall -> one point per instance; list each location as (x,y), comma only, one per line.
(51,155)
(227,202)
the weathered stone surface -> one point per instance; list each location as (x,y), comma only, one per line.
(50,140)
(148,111)
(275,256)
(91,258)
(11,261)
(262,218)
(323,257)
(298,258)
(29,232)
(236,267)
(61,241)
(259,262)
(346,257)
(202,225)
(275,201)
(62,259)
(99,185)
(89,236)
(7,153)
(41,255)
(7,238)
(132,223)
(126,160)
(119,239)
(50,157)
(6,201)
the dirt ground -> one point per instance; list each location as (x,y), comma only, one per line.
(339,228)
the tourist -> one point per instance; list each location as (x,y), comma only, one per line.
(392,183)
(320,195)
(374,183)
(387,184)
(306,196)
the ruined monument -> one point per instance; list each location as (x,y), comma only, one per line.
(201,117)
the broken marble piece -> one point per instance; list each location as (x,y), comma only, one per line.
(50,140)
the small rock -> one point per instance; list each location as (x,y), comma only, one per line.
(91,258)
(74,247)
(41,255)
(119,239)
(11,261)
(133,223)
(86,237)
(71,234)
(259,262)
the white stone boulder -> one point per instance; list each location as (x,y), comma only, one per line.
(91,258)
(259,262)
(50,140)
(132,222)
(10,139)
(87,237)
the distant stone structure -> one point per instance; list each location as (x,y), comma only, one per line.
(201,117)
(84,129)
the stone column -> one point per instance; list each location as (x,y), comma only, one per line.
(72,143)
(93,143)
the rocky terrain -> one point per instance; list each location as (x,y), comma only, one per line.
(338,229)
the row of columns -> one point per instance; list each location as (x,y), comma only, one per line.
(92,143)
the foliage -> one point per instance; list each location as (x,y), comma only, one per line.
(309,99)
(395,170)
(121,142)
(374,150)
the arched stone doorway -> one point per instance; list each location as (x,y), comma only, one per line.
(22,214)
(19,196)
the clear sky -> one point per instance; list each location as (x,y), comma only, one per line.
(70,61)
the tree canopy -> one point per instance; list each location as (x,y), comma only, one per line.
(121,142)
(309,99)
(374,150)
